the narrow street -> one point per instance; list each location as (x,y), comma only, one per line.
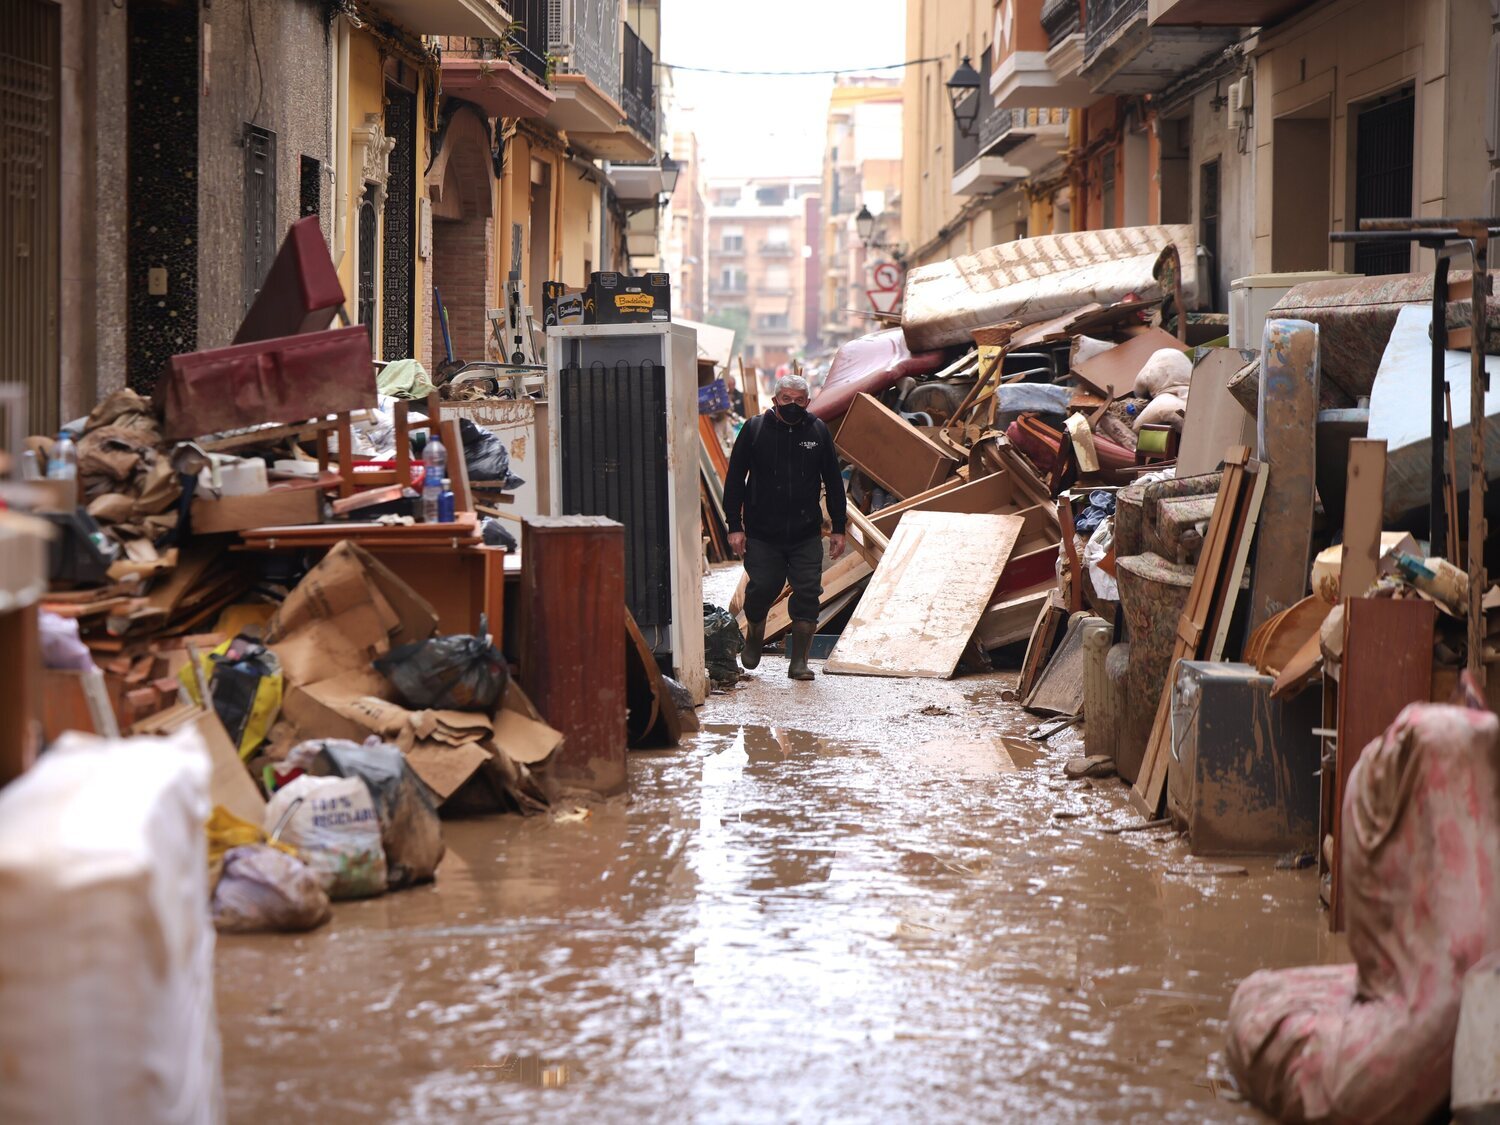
(838,902)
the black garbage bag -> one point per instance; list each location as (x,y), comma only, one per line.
(496,534)
(456,673)
(410,832)
(722,644)
(484,453)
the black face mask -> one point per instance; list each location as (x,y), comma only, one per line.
(791,413)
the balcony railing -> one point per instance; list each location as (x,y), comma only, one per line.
(776,249)
(532,40)
(638,85)
(1060,19)
(586,40)
(1103,19)
(1001,126)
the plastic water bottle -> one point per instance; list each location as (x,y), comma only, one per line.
(445,502)
(63,464)
(435,467)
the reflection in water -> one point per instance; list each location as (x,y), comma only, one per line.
(777,927)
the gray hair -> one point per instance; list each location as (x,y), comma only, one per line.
(793,383)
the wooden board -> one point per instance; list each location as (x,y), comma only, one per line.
(1050,622)
(926,597)
(1012,617)
(992,493)
(1364,499)
(1113,373)
(1288,415)
(1059,689)
(890,450)
(1214,421)
(1387,664)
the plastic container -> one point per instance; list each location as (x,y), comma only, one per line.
(63,464)
(445,502)
(435,468)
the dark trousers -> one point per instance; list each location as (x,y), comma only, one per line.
(769,566)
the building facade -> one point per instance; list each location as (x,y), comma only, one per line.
(861,171)
(1266,124)
(758,264)
(154,153)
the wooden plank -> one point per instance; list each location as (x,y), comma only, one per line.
(1043,643)
(458,466)
(1113,373)
(1070,552)
(908,624)
(890,451)
(1059,689)
(1083,443)
(714,447)
(887,518)
(1387,663)
(838,580)
(993,493)
(573,644)
(869,541)
(1288,423)
(1364,506)
(1242,537)
(1012,616)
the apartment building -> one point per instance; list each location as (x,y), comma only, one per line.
(861,175)
(1265,123)
(759,260)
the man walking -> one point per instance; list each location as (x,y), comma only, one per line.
(775,520)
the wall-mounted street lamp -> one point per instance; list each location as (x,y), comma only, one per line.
(965,82)
(864,222)
(670,170)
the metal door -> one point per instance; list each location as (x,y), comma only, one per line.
(29,223)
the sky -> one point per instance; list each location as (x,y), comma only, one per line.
(772,126)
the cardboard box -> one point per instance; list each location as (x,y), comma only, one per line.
(620,298)
(277,507)
(561,305)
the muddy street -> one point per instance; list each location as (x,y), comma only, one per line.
(875,909)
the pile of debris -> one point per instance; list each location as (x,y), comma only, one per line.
(1254,571)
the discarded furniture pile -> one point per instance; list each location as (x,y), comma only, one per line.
(1246,569)
(265,573)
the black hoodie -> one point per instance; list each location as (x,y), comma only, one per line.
(787,466)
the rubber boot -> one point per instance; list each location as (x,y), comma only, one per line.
(798,646)
(755,637)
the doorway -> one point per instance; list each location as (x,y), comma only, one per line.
(1301,199)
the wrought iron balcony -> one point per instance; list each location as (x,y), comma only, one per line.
(1105,19)
(532,40)
(638,85)
(584,38)
(1124,54)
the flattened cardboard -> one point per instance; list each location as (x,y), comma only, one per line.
(348,610)
(520,733)
(445,769)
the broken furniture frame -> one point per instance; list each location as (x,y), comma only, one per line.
(1449,238)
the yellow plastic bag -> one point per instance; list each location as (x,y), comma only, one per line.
(226,831)
(245,680)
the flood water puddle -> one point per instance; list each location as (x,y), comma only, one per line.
(779,926)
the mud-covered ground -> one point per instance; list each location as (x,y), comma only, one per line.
(852,900)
